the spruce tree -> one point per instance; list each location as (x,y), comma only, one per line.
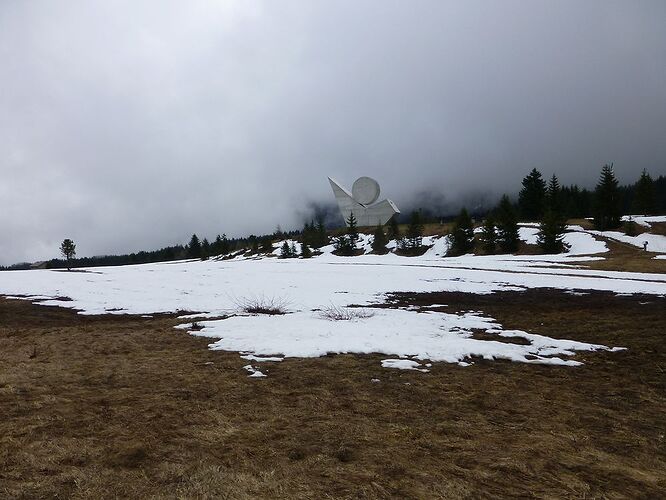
(266,245)
(321,238)
(285,250)
(194,248)
(414,236)
(551,233)
(462,236)
(205,249)
(532,196)
(394,230)
(344,245)
(225,245)
(306,253)
(489,236)
(379,241)
(645,202)
(68,251)
(507,227)
(352,231)
(554,197)
(607,203)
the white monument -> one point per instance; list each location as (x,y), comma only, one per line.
(361,202)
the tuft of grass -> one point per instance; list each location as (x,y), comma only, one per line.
(337,313)
(271,306)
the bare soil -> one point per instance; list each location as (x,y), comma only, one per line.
(127,407)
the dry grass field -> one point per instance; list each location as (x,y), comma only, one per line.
(128,407)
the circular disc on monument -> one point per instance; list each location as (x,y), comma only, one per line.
(365,190)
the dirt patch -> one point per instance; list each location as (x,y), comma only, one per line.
(123,406)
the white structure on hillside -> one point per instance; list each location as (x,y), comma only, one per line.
(361,202)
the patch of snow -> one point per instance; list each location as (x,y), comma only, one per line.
(254,373)
(403,364)
(644,220)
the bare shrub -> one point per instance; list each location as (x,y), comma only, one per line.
(262,305)
(337,313)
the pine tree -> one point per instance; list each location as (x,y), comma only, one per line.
(352,231)
(344,245)
(462,236)
(266,245)
(532,196)
(607,201)
(321,239)
(205,249)
(554,196)
(194,248)
(292,250)
(507,226)
(645,202)
(551,233)
(394,230)
(379,241)
(306,253)
(489,236)
(68,251)
(414,236)
(285,250)
(225,245)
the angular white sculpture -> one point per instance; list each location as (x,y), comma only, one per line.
(365,192)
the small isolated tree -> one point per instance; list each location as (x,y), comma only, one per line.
(607,203)
(645,200)
(489,236)
(306,253)
(379,241)
(532,196)
(352,230)
(551,233)
(507,226)
(462,236)
(194,248)
(68,251)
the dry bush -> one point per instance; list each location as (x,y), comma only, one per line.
(337,313)
(262,305)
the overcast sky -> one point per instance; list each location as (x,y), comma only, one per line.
(129,125)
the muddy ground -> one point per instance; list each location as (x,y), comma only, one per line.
(123,406)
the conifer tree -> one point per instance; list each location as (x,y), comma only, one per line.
(532,196)
(194,248)
(551,233)
(507,226)
(292,250)
(414,235)
(554,200)
(205,249)
(379,241)
(225,245)
(306,253)
(607,203)
(321,236)
(394,230)
(285,250)
(266,245)
(352,231)
(68,251)
(462,236)
(645,202)
(489,236)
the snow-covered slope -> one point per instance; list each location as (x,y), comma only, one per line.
(216,287)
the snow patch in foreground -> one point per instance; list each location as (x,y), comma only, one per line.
(421,336)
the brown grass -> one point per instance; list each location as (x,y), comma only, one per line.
(121,406)
(625,257)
